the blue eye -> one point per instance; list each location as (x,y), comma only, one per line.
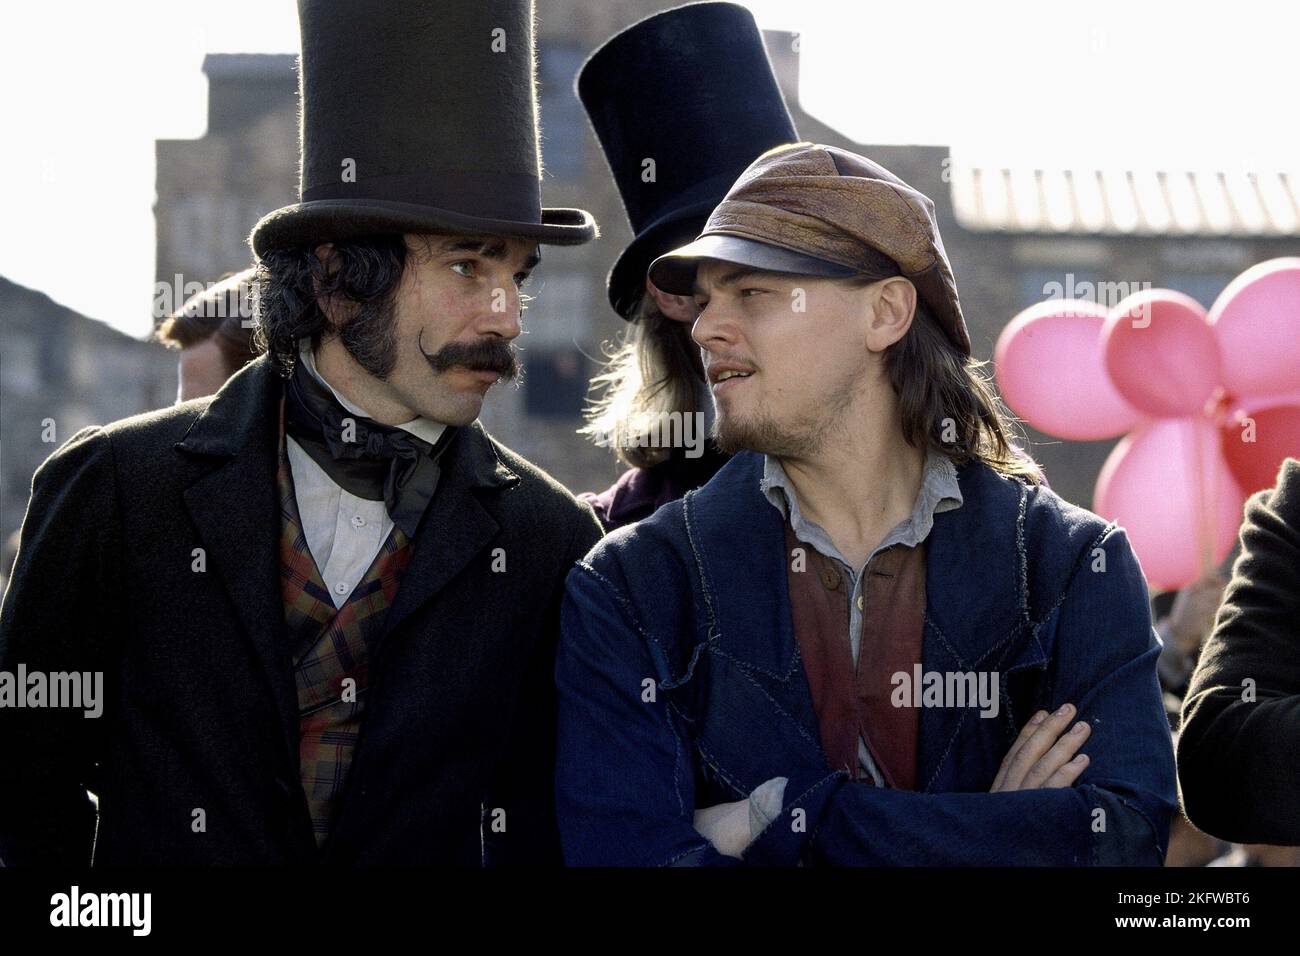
(468,263)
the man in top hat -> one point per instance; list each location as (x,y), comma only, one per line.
(324,602)
(874,637)
(661,96)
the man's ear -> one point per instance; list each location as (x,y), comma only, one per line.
(328,258)
(893,303)
(679,308)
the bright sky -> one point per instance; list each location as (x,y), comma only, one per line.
(88,87)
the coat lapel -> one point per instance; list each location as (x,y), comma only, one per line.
(456,526)
(231,454)
(976,614)
(739,542)
(738,539)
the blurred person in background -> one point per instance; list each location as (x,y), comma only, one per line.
(1184,625)
(661,96)
(214,332)
(1239,743)
(1184,619)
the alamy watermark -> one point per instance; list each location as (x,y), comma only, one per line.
(77,690)
(169,297)
(946,689)
(1105,294)
(75,908)
(660,430)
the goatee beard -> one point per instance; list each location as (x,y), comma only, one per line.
(763,435)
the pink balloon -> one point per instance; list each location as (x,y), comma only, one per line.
(1256,321)
(1244,402)
(1172,505)
(1256,443)
(1160,353)
(1050,373)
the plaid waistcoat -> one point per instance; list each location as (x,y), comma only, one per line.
(331,647)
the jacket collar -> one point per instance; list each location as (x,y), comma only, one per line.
(976,574)
(244,413)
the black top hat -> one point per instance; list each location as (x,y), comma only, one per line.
(692,89)
(419,116)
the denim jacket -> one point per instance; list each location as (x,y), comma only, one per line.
(681,686)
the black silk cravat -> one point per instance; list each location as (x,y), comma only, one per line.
(363,457)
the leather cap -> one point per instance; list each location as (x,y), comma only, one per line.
(809,209)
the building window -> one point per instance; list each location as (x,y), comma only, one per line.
(555,382)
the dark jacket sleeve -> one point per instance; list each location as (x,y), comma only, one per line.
(58,615)
(635,804)
(1117,813)
(1239,743)
(523,786)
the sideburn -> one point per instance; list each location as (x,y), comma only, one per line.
(370,337)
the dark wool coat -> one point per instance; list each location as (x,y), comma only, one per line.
(199,702)
(1239,752)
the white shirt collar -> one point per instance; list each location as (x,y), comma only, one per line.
(422,428)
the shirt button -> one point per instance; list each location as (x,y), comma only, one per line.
(358,521)
(340,588)
(859,602)
(830,578)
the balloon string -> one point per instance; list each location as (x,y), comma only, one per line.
(1200,491)
(1202,538)
(1221,401)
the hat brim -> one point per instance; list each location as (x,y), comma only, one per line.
(324,220)
(626,281)
(674,272)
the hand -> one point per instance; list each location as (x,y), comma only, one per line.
(726,826)
(1038,759)
(1191,618)
(730,827)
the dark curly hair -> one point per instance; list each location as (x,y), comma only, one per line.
(289,282)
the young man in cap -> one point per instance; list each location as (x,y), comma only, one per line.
(660,96)
(323,603)
(874,637)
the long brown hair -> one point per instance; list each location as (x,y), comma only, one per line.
(947,402)
(655,370)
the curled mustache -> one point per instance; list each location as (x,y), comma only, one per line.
(484,355)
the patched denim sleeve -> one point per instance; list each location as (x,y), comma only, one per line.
(1117,813)
(625,786)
